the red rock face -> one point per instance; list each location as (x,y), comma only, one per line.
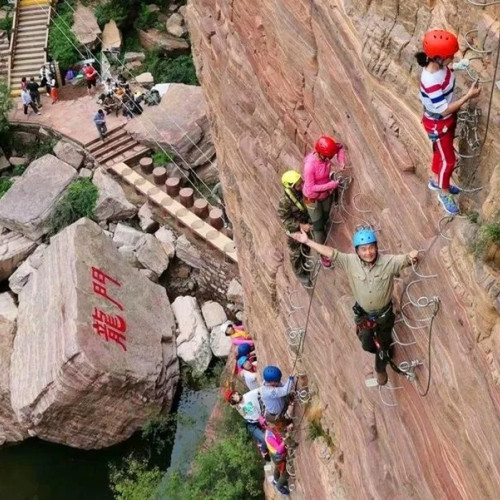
(275,76)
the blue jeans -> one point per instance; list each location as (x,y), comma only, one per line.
(258,434)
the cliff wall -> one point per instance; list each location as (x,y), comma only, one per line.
(278,73)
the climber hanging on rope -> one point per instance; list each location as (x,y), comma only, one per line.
(437,84)
(294,217)
(371,278)
(275,395)
(318,187)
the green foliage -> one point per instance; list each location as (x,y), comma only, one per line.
(473,216)
(6,104)
(315,430)
(159,432)
(170,69)
(146,19)
(135,481)
(6,24)
(19,170)
(198,381)
(79,201)
(61,38)
(34,150)
(4,186)
(113,9)
(160,158)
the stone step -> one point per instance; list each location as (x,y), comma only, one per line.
(32,20)
(31,30)
(136,154)
(116,148)
(29,44)
(33,69)
(28,54)
(95,145)
(22,49)
(37,39)
(28,63)
(34,10)
(34,3)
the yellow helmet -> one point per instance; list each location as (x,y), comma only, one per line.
(290,178)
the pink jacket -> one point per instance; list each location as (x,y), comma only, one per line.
(316,175)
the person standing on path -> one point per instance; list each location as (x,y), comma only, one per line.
(371,279)
(33,89)
(100,123)
(437,84)
(54,90)
(90,77)
(318,187)
(27,101)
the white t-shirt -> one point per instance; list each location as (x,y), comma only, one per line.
(436,91)
(250,379)
(250,406)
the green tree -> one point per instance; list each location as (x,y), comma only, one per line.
(6,104)
(62,41)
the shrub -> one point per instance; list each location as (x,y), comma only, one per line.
(146,19)
(6,104)
(4,186)
(112,9)
(62,41)
(79,201)
(161,158)
(6,24)
(172,70)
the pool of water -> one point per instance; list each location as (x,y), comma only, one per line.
(38,470)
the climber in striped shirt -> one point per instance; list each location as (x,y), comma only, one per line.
(437,84)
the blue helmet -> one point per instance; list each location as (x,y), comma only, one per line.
(271,374)
(364,236)
(244,350)
(242,360)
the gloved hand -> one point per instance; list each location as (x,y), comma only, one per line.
(462,64)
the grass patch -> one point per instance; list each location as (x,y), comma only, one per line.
(160,158)
(79,201)
(4,186)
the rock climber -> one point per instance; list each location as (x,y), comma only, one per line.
(318,187)
(237,333)
(249,406)
(248,372)
(276,444)
(437,84)
(248,351)
(294,217)
(371,277)
(275,395)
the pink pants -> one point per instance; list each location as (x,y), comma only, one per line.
(441,133)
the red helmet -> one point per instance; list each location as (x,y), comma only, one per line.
(440,43)
(228,395)
(326,146)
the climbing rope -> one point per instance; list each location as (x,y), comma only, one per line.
(179,167)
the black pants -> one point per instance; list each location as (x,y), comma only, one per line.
(381,327)
(33,106)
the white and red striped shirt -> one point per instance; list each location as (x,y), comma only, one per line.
(436,91)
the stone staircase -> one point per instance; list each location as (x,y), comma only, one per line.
(30,39)
(4,56)
(119,146)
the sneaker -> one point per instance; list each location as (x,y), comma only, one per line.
(453,189)
(382,378)
(282,489)
(448,203)
(325,262)
(39,113)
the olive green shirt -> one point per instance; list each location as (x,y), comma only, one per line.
(371,286)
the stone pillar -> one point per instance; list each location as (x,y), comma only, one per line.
(186,197)
(159,175)
(215,218)
(146,164)
(173,184)
(201,208)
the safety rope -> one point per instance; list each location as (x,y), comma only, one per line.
(179,167)
(124,68)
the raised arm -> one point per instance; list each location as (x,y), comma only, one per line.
(304,239)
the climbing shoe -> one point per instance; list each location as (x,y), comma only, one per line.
(382,378)
(453,189)
(448,203)
(326,262)
(282,489)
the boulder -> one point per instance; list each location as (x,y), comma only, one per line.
(180,124)
(192,340)
(145,79)
(188,253)
(4,163)
(85,27)
(133,65)
(156,39)
(235,292)
(10,428)
(28,204)
(85,173)
(112,203)
(126,235)
(153,7)
(150,254)
(182,11)
(68,153)
(213,314)
(134,56)
(220,343)
(94,355)
(150,275)
(18,161)
(128,253)
(21,276)
(14,248)
(176,26)
(167,239)
(24,137)
(111,37)
(146,221)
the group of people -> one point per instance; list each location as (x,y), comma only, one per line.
(30,90)
(265,406)
(305,204)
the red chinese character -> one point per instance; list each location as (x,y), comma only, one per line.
(99,285)
(110,326)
